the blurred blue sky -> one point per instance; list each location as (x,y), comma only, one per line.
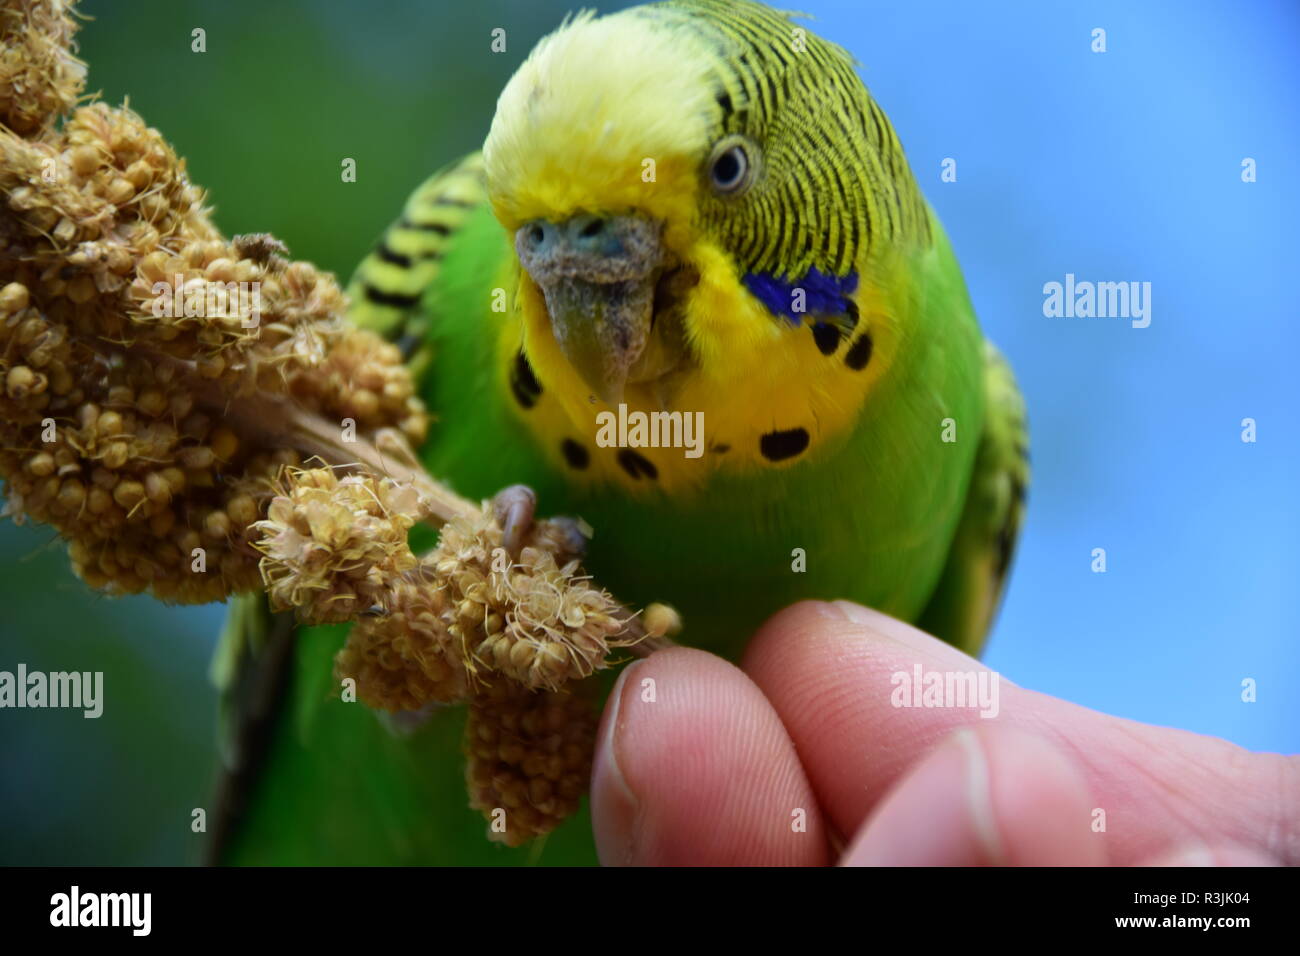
(1115,166)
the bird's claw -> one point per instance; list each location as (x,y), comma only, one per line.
(515,507)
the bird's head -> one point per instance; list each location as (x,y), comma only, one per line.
(669,174)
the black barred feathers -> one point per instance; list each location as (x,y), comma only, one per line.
(832,178)
(389,283)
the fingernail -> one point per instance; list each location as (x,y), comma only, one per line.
(941,815)
(614,805)
(855,613)
(845,611)
(979,798)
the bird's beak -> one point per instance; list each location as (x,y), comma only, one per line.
(598,276)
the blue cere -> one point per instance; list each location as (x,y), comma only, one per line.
(823,294)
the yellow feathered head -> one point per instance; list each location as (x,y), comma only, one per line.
(671,175)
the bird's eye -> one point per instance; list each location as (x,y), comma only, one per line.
(731,167)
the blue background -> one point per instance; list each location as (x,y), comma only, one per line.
(1115,166)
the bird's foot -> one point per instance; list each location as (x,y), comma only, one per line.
(515,509)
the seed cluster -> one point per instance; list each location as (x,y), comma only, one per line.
(529,755)
(535,622)
(151,491)
(464,622)
(362,378)
(404,657)
(40,79)
(128,327)
(333,545)
(437,628)
(162,389)
(479,614)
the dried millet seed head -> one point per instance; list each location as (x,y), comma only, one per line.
(362,377)
(151,493)
(334,546)
(530,620)
(556,627)
(402,656)
(105,229)
(155,489)
(248,325)
(113,405)
(77,222)
(468,618)
(528,758)
(149,461)
(40,79)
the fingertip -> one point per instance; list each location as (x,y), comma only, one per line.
(694,767)
(613,803)
(1039,801)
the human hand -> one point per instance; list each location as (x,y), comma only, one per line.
(714,769)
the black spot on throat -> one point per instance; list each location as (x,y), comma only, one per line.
(575,454)
(827,337)
(859,353)
(780,445)
(523,383)
(637,465)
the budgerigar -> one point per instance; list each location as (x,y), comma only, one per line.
(695,209)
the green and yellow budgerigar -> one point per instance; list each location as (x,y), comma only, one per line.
(694,212)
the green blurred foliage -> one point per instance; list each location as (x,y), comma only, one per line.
(284,93)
